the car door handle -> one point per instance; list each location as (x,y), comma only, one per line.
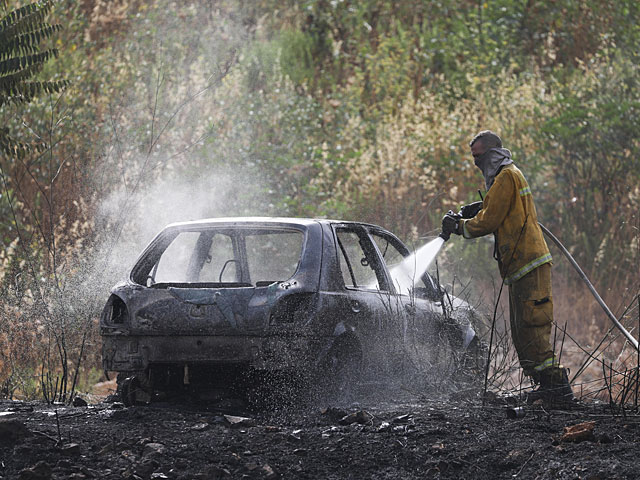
(355,306)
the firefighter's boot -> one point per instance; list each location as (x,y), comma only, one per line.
(562,388)
(540,392)
(553,389)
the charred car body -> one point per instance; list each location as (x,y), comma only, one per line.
(213,298)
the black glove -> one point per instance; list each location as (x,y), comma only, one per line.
(450,225)
(471,210)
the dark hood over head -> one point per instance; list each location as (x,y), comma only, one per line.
(491,161)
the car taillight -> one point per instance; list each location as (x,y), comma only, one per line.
(294,308)
(115,312)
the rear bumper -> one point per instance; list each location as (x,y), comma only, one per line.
(136,353)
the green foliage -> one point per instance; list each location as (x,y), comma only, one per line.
(395,48)
(294,52)
(21,33)
(593,153)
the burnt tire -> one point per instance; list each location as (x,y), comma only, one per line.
(132,393)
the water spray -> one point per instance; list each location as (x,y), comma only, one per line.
(412,268)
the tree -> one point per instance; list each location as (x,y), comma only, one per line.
(593,160)
(22,32)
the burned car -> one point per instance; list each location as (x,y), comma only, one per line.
(221,300)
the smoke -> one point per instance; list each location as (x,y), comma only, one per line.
(185,139)
(168,200)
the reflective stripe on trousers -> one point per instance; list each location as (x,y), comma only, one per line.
(548,363)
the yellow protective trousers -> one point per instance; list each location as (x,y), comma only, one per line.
(531,316)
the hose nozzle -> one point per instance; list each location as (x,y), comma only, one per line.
(444,236)
(450,225)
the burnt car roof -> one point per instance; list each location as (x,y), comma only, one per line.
(239,221)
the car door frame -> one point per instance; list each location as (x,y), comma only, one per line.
(419,315)
(365,312)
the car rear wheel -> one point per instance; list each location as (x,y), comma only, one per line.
(132,392)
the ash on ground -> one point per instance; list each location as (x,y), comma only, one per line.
(394,434)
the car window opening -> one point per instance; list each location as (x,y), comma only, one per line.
(345,257)
(356,262)
(216,258)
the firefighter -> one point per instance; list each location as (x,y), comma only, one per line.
(524,261)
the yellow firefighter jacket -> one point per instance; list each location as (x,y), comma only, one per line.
(509,212)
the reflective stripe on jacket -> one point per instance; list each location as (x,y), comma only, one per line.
(509,212)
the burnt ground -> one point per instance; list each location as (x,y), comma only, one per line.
(449,436)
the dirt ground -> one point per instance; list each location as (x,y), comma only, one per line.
(388,435)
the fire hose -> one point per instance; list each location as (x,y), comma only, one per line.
(595,294)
